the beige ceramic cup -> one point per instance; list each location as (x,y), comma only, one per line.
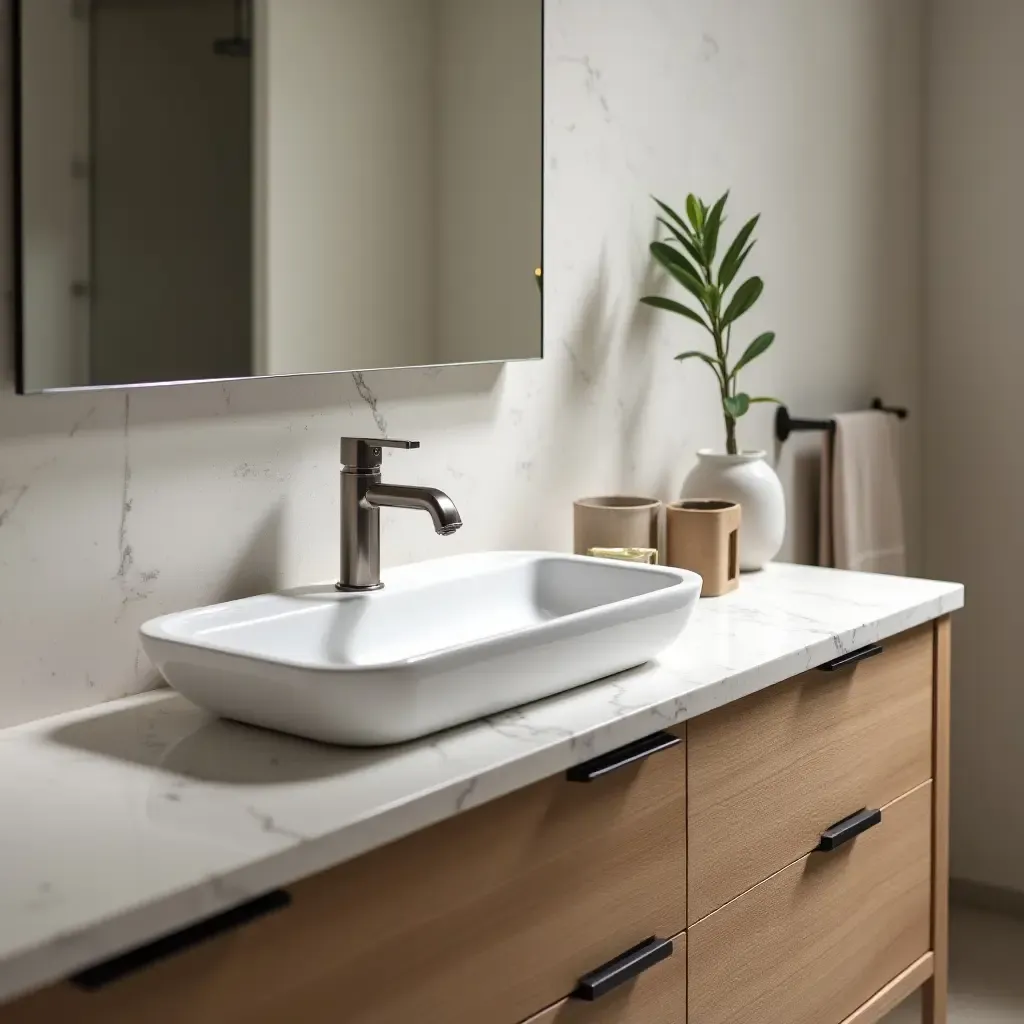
(703,536)
(615,522)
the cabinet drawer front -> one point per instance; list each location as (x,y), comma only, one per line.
(484,917)
(768,774)
(657,997)
(817,940)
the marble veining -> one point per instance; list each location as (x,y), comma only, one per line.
(138,816)
(367,395)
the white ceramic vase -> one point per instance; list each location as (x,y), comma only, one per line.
(748,480)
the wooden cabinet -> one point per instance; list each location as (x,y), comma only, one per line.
(769,773)
(819,938)
(495,916)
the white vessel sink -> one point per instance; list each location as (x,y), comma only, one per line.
(443,643)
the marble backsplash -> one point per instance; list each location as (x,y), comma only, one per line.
(117,506)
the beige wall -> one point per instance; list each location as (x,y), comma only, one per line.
(975,368)
(115,508)
(172,195)
(348,151)
(489,181)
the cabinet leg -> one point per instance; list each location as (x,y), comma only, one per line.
(933,1003)
(935,992)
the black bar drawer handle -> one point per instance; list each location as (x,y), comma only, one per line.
(623,968)
(847,829)
(844,660)
(94,978)
(614,759)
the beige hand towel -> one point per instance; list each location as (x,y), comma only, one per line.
(861,520)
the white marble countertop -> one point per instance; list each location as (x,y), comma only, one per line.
(139,816)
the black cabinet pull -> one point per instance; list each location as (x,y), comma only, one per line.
(844,660)
(106,973)
(622,969)
(847,829)
(614,759)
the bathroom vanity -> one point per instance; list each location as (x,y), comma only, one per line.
(752,829)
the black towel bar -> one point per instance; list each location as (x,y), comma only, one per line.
(786,424)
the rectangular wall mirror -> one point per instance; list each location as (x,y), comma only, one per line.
(213,189)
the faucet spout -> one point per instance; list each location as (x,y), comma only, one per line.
(440,507)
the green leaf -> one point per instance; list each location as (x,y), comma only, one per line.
(746,295)
(736,269)
(695,211)
(683,356)
(671,306)
(674,216)
(665,254)
(737,405)
(684,241)
(736,253)
(757,347)
(711,229)
(692,284)
(714,296)
(704,358)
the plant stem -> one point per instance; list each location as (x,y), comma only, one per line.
(730,435)
(721,351)
(730,422)
(722,340)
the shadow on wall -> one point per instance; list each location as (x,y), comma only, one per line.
(257,569)
(577,364)
(802,499)
(641,351)
(605,349)
(589,343)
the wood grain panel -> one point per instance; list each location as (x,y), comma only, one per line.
(769,773)
(486,917)
(816,941)
(657,997)
(884,1002)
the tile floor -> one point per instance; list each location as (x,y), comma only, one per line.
(986,984)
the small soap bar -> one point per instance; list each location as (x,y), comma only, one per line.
(647,556)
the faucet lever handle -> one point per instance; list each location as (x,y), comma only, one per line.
(365,452)
(391,443)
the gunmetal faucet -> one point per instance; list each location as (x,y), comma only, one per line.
(362,497)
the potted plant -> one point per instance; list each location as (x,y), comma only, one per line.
(690,255)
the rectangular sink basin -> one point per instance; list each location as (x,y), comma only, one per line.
(444,642)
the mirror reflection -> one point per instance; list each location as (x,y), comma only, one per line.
(226,188)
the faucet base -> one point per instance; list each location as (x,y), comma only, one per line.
(357,590)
